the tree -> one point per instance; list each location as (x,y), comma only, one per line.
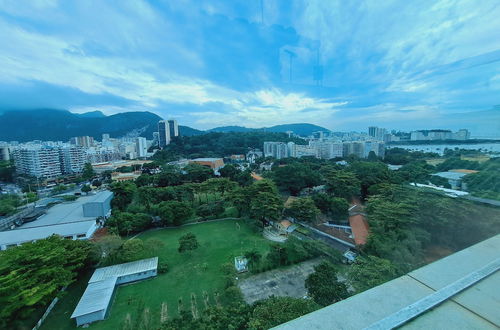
(169,176)
(295,177)
(240,199)
(7,171)
(97,183)
(370,271)
(197,173)
(253,257)
(59,188)
(370,173)
(86,189)
(273,311)
(266,206)
(123,194)
(125,223)
(106,248)
(143,180)
(210,210)
(343,184)
(133,249)
(187,242)
(88,172)
(174,212)
(303,209)
(277,255)
(323,285)
(32,274)
(339,208)
(229,171)
(219,185)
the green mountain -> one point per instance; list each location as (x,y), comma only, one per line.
(61,125)
(301,129)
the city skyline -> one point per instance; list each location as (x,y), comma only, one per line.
(232,67)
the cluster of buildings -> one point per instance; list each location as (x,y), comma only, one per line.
(382,134)
(324,149)
(439,134)
(49,159)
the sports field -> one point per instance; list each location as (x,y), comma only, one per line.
(191,277)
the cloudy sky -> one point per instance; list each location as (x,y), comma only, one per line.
(340,64)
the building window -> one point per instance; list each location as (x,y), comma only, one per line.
(81,235)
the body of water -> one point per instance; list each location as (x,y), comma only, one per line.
(440,148)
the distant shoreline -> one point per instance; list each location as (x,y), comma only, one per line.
(433,142)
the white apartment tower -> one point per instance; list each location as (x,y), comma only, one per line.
(141,147)
(38,161)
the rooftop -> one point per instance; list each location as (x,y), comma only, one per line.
(206,159)
(460,170)
(96,297)
(22,235)
(68,211)
(128,268)
(463,288)
(451,175)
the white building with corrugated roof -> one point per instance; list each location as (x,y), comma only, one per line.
(95,301)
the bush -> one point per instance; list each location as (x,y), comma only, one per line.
(70,198)
(162,267)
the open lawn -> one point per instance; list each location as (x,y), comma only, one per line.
(191,277)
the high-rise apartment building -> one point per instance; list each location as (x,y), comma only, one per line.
(377,133)
(38,161)
(277,150)
(4,152)
(105,137)
(356,148)
(167,129)
(377,147)
(83,141)
(72,159)
(141,147)
(327,149)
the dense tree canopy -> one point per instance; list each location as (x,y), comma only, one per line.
(188,242)
(343,183)
(32,274)
(323,285)
(303,209)
(295,176)
(219,144)
(370,271)
(277,310)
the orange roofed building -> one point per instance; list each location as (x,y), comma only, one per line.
(214,163)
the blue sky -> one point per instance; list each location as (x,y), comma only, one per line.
(396,64)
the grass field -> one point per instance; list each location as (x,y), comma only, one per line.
(189,277)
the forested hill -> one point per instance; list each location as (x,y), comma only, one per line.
(220,144)
(302,129)
(61,125)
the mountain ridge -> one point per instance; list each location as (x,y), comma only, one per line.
(61,125)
